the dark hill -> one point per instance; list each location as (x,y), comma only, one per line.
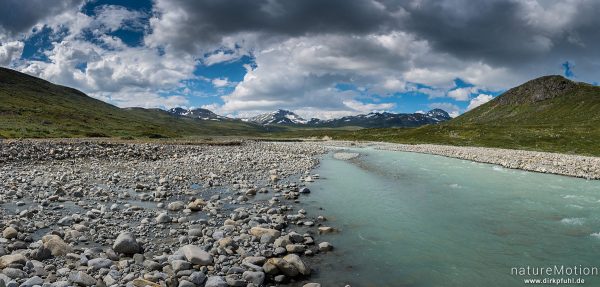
(32,107)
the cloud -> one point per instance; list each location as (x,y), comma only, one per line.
(220,82)
(461,94)
(194,25)
(452,109)
(18,16)
(366,108)
(302,72)
(10,51)
(478,101)
(109,69)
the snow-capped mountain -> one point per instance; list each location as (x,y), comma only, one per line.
(438,115)
(202,114)
(279,117)
(370,120)
(385,119)
(288,118)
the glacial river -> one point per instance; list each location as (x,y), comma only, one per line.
(409,219)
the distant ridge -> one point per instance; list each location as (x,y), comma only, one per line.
(199,113)
(371,120)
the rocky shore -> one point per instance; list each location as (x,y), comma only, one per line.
(544,162)
(84,213)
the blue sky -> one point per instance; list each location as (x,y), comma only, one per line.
(210,54)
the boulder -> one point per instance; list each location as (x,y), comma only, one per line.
(196,205)
(325,246)
(176,206)
(139,282)
(295,248)
(215,281)
(326,230)
(282,266)
(99,263)
(298,263)
(257,278)
(14,273)
(126,243)
(163,218)
(304,190)
(10,233)
(196,255)
(260,231)
(179,265)
(8,260)
(82,279)
(56,245)
(33,281)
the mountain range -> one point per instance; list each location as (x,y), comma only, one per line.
(288,118)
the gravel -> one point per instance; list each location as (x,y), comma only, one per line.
(101,213)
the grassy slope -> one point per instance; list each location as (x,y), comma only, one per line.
(568,124)
(31,107)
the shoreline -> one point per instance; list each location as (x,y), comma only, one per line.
(579,166)
(129,214)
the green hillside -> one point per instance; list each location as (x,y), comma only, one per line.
(34,108)
(550,113)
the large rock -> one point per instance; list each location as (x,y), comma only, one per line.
(7,260)
(176,206)
(215,281)
(295,248)
(196,205)
(41,253)
(139,282)
(298,263)
(196,255)
(270,266)
(163,218)
(198,278)
(325,246)
(82,279)
(179,265)
(304,190)
(33,281)
(260,231)
(10,233)
(56,245)
(126,243)
(99,263)
(282,266)
(14,273)
(326,230)
(257,278)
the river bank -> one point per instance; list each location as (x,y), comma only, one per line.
(544,162)
(116,214)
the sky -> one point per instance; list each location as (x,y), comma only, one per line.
(318,58)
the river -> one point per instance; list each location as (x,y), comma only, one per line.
(409,219)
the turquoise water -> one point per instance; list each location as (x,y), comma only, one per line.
(410,219)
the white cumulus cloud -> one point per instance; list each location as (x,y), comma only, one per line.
(478,101)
